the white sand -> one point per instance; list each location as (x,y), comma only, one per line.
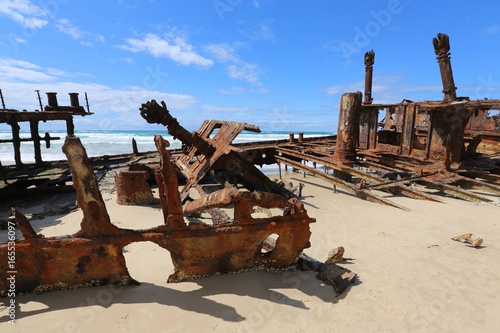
(411,276)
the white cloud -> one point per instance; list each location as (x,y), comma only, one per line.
(388,89)
(84,37)
(232,91)
(260,31)
(100,38)
(247,72)
(17,70)
(64,26)
(493,30)
(118,105)
(222,52)
(175,48)
(236,68)
(225,109)
(24,12)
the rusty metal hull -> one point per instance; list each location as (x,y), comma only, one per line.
(94,255)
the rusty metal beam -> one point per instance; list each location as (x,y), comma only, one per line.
(453,190)
(477,184)
(380,183)
(351,188)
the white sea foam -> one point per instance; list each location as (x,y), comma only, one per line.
(99,143)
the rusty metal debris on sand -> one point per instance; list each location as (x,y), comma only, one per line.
(451,145)
(94,255)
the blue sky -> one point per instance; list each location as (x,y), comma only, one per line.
(282,65)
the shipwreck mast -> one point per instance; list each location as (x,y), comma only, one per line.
(369,61)
(442,50)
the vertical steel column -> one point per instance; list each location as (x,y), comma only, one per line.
(52,99)
(442,50)
(16,140)
(369,61)
(36,141)
(348,131)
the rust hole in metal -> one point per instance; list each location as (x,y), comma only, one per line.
(269,244)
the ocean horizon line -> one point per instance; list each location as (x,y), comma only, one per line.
(117,142)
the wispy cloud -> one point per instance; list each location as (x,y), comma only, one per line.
(388,89)
(175,48)
(24,13)
(261,31)
(232,110)
(493,29)
(232,91)
(19,79)
(235,66)
(84,37)
(14,70)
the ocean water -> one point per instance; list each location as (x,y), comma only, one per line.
(98,143)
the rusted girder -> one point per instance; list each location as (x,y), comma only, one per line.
(379,183)
(351,188)
(455,191)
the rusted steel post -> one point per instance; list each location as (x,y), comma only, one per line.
(348,130)
(52,98)
(291,137)
(73,97)
(95,220)
(442,50)
(70,126)
(167,179)
(301,137)
(134,147)
(369,61)
(36,141)
(16,140)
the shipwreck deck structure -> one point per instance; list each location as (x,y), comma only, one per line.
(51,112)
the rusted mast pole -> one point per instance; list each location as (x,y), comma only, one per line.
(369,61)
(442,50)
(452,120)
(348,131)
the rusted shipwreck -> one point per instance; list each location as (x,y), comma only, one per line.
(234,241)
(451,146)
(50,112)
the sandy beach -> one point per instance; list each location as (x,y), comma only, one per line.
(411,276)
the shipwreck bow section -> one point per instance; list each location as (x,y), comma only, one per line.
(234,241)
